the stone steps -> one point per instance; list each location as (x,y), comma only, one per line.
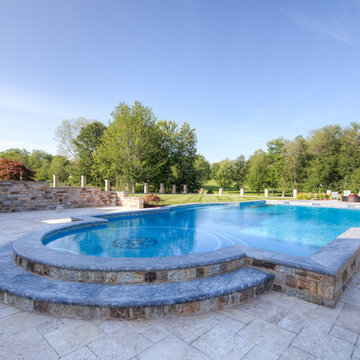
(83,300)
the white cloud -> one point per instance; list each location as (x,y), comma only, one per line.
(333,28)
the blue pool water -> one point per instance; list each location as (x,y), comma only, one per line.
(296,230)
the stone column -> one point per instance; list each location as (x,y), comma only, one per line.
(185,189)
(83,180)
(221,191)
(173,191)
(266,192)
(146,188)
(295,192)
(162,188)
(241,192)
(107,185)
(55,181)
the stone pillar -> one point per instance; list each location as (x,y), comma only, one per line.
(146,188)
(107,185)
(162,188)
(266,192)
(283,194)
(185,189)
(173,191)
(221,191)
(83,180)
(295,192)
(241,192)
(55,181)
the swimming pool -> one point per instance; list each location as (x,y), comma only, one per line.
(294,230)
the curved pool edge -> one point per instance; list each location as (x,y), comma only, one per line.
(320,278)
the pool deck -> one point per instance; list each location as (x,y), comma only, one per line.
(272,326)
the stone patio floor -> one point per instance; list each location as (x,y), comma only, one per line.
(273,326)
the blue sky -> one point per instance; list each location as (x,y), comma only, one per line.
(240,72)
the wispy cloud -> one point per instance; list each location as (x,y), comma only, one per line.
(333,28)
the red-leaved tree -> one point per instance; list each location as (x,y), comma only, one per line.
(15,170)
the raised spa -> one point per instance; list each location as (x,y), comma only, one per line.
(295,230)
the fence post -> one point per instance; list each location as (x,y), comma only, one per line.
(83,180)
(173,190)
(241,192)
(55,181)
(162,188)
(107,185)
(146,188)
(266,192)
(185,189)
(221,191)
(295,192)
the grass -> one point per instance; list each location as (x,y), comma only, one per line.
(197,198)
(211,184)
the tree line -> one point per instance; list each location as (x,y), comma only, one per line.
(328,159)
(137,147)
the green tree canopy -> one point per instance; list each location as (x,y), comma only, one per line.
(258,171)
(130,146)
(86,143)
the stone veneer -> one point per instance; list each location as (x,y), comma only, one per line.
(38,195)
(130,277)
(134,313)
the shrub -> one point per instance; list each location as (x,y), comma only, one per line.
(210,191)
(312,196)
(15,170)
(152,200)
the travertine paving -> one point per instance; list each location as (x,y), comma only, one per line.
(273,326)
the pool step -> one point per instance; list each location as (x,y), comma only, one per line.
(133,270)
(83,300)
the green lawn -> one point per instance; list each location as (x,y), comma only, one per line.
(211,184)
(195,198)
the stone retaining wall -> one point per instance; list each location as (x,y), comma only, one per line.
(38,195)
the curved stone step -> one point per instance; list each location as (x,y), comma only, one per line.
(35,293)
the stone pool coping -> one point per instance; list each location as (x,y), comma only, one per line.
(326,261)
(320,278)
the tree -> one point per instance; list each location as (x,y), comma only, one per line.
(20,155)
(39,161)
(295,156)
(325,145)
(258,174)
(130,146)
(184,155)
(225,173)
(349,156)
(214,168)
(15,170)
(239,171)
(86,143)
(202,167)
(66,133)
(275,161)
(59,166)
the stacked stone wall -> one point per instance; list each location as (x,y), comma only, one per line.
(37,195)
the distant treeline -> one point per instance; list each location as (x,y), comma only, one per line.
(329,159)
(134,148)
(137,147)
